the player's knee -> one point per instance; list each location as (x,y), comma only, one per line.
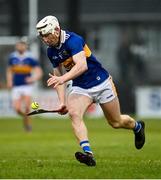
(73,114)
(115,123)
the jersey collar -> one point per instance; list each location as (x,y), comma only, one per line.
(62,36)
(62,39)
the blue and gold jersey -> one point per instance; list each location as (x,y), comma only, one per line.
(21,67)
(71,45)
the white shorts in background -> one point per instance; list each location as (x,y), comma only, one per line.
(24,90)
(102,93)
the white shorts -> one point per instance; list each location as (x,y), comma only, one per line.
(24,90)
(69,87)
(102,93)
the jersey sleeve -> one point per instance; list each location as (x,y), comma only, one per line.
(10,62)
(75,45)
(34,62)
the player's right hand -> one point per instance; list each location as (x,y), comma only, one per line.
(55,80)
(63,109)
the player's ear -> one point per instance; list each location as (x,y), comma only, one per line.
(57,31)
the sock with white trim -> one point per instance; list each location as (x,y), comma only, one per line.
(137,127)
(86,146)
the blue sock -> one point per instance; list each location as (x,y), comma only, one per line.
(137,127)
(86,146)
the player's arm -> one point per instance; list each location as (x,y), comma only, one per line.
(37,74)
(61,88)
(79,68)
(9,77)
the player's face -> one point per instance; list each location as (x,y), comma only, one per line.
(50,39)
(21,47)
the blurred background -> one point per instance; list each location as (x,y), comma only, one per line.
(125,35)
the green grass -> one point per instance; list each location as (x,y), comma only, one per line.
(48,152)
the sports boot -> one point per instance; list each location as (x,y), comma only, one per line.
(140,136)
(86,158)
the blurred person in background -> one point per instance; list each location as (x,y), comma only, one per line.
(23,70)
(130,57)
(91,83)
(125,58)
(125,65)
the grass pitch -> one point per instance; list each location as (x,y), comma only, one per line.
(48,152)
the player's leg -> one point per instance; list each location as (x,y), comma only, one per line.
(109,102)
(17,99)
(27,119)
(21,102)
(117,120)
(77,106)
(26,91)
(17,105)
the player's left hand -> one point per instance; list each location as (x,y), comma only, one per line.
(55,80)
